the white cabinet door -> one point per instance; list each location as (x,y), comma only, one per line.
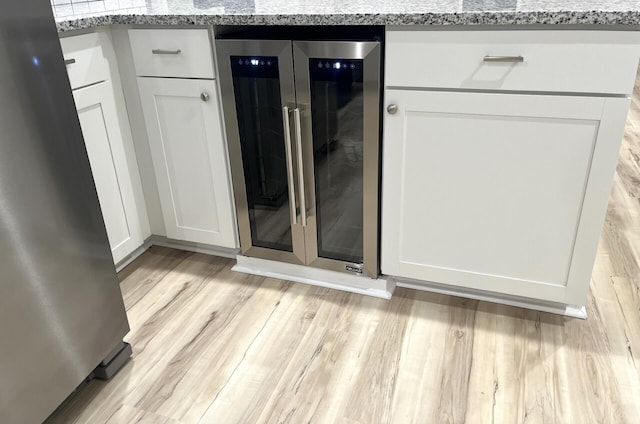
(492,191)
(105,148)
(189,158)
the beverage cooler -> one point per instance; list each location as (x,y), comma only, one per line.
(303,128)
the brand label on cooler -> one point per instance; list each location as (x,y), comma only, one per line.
(353,269)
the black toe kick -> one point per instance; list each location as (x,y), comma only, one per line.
(114,362)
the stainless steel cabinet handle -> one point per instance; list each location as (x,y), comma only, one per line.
(68,62)
(392,109)
(504,59)
(204,96)
(289,155)
(161,51)
(303,202)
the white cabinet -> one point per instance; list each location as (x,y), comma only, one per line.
(498,160)
(189,158)
(93,74)
(105,148)
(497,192)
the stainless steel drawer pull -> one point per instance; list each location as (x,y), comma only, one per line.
(204,97)
(504,59)
(161,51)
(289,155)
(303,202)
(68,62)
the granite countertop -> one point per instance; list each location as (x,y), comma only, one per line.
(347,12)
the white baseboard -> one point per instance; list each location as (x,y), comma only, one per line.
(381,287)
(520,302)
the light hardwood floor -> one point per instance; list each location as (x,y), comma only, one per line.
(214,346)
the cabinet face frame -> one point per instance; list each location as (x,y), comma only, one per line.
(608,112)
(192,89)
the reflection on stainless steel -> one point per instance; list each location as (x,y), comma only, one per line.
(324,212)
(61,310)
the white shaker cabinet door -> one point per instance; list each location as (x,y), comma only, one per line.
(189,158)
(497,192)
(105,148)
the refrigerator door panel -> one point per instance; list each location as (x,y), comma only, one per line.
(61,309)
(338,97)
(258,98)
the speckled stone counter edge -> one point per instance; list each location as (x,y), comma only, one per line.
(631,18)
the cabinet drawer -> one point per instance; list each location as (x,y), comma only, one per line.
(552,61)
(181,53)
(85,60)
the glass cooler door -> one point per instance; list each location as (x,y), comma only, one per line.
(260,74)
(337,89)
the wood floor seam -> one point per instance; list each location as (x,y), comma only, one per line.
(243,357)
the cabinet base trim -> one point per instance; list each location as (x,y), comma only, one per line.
(207,249)
(381,287)
(156,240)
(133,255)
(554,308)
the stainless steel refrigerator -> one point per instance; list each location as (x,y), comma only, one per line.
(61,309)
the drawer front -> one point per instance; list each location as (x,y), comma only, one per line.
(551,61)
(85,60)
(181,53)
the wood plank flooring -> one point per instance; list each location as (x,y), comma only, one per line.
(214,346)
